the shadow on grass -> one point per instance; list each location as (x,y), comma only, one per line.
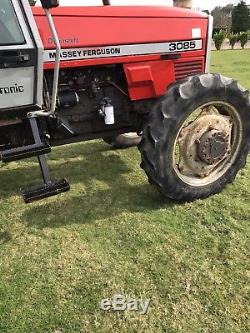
(91,207)
(101,187)
(61,165)
(27,173)
(4,237)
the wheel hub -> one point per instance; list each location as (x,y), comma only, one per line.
(213,147)
(204,144)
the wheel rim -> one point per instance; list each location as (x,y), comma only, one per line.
(207,144)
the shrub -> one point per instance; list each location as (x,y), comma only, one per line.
(243,37)
(219,39)
(233,39)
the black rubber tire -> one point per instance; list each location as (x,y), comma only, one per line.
(165,121)
(123,141)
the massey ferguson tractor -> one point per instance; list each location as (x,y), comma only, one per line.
(69,74)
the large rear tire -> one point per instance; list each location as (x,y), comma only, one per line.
(197,137)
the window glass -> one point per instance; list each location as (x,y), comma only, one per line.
(10,31)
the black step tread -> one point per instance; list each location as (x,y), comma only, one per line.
(46,190)
(23,152)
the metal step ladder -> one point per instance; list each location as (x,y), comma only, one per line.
(39,149)
(49,187)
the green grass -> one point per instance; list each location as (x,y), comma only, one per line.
(234,64)
(113,233)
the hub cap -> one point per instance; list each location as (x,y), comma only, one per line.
(213,147)
(207,144)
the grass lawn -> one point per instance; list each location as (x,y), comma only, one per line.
(113,233)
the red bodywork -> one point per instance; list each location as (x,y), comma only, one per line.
(148,75)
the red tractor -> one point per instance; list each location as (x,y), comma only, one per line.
(79,73)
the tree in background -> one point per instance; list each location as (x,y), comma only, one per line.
(240,18)
(219,38)
(233,39)
(222,18)
(243,38)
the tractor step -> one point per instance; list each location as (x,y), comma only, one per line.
(21,153)
(45,190)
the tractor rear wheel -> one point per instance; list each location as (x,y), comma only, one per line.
(123,141)
(197,137)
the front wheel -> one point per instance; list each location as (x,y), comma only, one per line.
(197,137)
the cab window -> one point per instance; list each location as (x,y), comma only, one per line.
(10,31)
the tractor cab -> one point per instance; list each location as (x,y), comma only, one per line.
(21,53)
(21,89)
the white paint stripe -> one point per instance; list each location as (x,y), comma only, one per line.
(124,50)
